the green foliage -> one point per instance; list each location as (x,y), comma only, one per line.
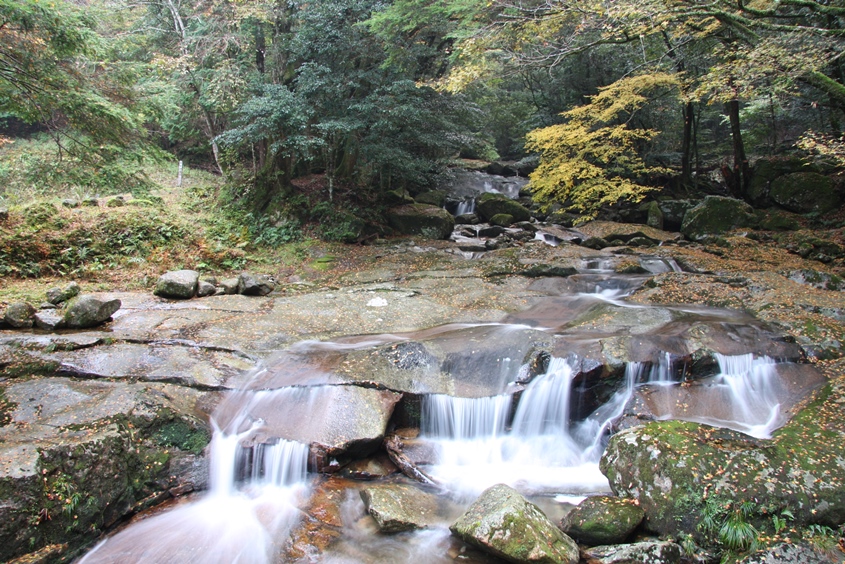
(592,159)
(178,433)
(264,231)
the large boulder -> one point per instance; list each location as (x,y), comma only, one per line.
(602,520)
(255,284)
(398,508)
(19,315)
(806,192)
(89,311)
(679,472)
(177,284)
(785,553)
(716,214)
(421,219)
(505,524)
(490,205)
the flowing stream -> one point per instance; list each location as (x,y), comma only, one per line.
(534,433)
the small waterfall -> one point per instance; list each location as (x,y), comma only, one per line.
(753,384)
(230,523)
(465,206)
(541,452)
(465,418)
(544,407)
(281,464)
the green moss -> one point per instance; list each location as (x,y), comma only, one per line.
(7,407)
(178,433)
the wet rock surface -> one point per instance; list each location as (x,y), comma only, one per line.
(374,329)
(636,553)
(503,523)
(399,508)
(602,520)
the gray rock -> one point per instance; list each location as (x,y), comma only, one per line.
(425,220)
(58,295)
(492,231)
(715,215)
(19,315)
(467,219)
(90,202)
(501,219)
(602,520)
(49,320)
(229,286)
(255,284)
(490,205)
(115,202)
(596,243)
(505,524)
(4,214)
(177,284)
(47,305)
(806,192)
(637,553)
(398,508)
(205,288)
(89,311)
(790,554)
(70,203)
(432,198)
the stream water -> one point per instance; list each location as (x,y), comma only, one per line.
(525,433)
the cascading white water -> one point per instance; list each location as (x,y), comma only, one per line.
(230,524)
(753,386)
(542,451)
(465,207)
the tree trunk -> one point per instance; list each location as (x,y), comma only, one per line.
(741,171)
(686,145)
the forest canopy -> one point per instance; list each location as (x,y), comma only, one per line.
(614,98)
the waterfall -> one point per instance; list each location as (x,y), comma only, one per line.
(465,418)
(231,523)
(542,451)
(465,206)
(753,391)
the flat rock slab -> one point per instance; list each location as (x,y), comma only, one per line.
(609,230)
(636,553)
(398,508)
(334,420)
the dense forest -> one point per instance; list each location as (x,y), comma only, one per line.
(615,99)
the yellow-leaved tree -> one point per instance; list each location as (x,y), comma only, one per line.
(593,158)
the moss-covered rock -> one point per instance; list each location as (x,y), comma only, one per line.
(421,219)
(501,219)
(715,215)
(680,472)
(432,198)
(490,205)
(805,192)
(505,524)
(779,222)
(602,520)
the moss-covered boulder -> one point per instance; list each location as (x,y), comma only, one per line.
(19,315)
(501,219)
(602,520)
(680,472)
(432,198)
(806,192)
(79,455)
(505,524)
(397,198)
(716,214)
(427,221)
(490,205)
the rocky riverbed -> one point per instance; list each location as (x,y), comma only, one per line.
(99,425)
